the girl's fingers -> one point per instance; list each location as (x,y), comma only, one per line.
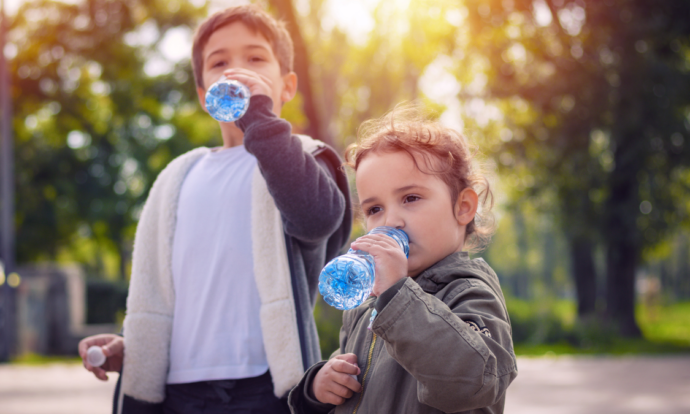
(378,240)
(345,367)
(334,399)
(340,390)
(348,381)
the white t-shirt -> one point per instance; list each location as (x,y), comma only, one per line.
(216,331)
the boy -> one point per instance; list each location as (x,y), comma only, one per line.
(435,337)
(230,244)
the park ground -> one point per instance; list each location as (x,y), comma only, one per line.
(562,384)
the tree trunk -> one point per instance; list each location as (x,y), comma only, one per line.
(316,128)
(584,276)
(620,288)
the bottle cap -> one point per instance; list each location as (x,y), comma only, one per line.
(95,356)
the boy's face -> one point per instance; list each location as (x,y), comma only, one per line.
(393,192)
(235,46)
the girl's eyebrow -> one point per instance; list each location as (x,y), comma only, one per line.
(399,190)
(409,187)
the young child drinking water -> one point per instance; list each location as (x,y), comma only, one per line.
(435,335)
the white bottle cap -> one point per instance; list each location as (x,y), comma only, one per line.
(95,356)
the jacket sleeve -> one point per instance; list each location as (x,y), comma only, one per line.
(459,350)
(303,188)
(300,398)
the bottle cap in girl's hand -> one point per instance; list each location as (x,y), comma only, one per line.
(95,356)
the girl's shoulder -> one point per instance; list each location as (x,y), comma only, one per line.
(350,317)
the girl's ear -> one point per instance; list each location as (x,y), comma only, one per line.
(466,206)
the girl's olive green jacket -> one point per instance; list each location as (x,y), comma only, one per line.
(441,343)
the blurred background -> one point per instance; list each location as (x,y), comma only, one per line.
(579,110)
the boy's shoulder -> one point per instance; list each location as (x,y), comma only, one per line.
(310,144)
(171,177)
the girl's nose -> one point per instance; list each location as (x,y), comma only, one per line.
(394,220)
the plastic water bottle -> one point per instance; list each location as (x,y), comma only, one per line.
(227,100)
(346,281)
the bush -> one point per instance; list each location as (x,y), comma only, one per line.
(104,299)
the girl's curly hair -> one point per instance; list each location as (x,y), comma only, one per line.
(435,149)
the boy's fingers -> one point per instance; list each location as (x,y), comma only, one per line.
(247,77)
(99,373)
(116,347)
(246,72)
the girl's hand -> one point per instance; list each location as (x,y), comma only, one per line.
(390,260)
(258,84)
(333,383)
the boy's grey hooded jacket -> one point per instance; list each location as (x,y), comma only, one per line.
(301,217)
(441,343)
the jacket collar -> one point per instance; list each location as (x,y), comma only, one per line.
(456,266)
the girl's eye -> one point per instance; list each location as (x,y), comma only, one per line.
(256,59)
(411,198)
(218,64)
(373,210)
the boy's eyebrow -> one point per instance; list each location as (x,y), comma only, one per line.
(257,47)
(399,190)
(222,50)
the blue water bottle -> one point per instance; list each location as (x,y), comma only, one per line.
(227,100)
(346,281)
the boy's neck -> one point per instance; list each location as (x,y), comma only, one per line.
(232,136)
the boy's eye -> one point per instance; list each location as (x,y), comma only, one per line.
(256,59)
(218,64)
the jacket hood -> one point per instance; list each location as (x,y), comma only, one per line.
(457,266)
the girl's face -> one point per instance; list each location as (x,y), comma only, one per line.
(393,192)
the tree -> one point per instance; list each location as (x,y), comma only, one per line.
(599,91)
(92,128)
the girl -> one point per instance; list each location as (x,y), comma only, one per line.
(435,334)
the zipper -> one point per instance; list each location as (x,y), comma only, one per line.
(366,371)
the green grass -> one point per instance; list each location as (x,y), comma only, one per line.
(667,324)
(35,359)
(550,328)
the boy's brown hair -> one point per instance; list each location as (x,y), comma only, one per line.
(443,151)
(257,20)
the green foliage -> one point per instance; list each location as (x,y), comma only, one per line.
(595,109)
(92,129)
(328,323)
(541,328)
(103,301)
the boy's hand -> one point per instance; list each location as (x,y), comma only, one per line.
(258,84)
(333,383)
(391,263)
(114,349)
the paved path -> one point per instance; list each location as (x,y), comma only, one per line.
(53,389)
(564,385)
(597,385)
